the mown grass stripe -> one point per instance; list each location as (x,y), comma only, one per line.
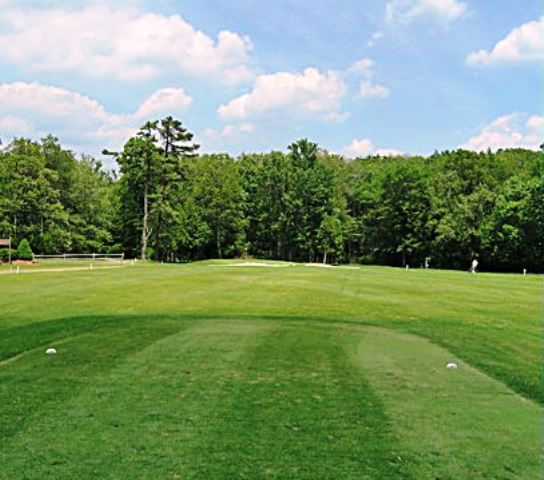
(298,409)
(456,424)
(138,419)
(35,384)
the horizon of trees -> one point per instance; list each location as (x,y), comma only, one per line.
(169,203)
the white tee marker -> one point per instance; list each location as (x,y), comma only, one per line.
(451,365)
(50,351)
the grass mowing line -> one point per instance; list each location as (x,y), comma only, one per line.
(53,332)
(14,339)
(12,359)
(457,423)
(298,409)
(35,385)
(140,419)
(28,337)
(42,348)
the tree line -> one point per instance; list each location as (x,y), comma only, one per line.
(169,203)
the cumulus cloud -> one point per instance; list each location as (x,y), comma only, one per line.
(368,88)
(310,93)
(230,132)
(372,90)
(523,44)
(509,131)
(162,101)
(80,121)
(363,147)
(124,42)
(362,67)
(14,124)
(408,11)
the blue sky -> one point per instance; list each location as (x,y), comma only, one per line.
(358,77)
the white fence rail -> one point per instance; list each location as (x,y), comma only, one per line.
(83,256)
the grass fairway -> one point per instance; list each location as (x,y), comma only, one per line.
(215,371)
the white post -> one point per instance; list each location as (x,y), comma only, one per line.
(17,269)
(407,267)
(524,271)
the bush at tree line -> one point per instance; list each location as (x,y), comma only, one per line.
(24,252)
(4,254)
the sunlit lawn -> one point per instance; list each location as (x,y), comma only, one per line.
(213,371)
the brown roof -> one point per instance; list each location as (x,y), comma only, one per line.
(4,242)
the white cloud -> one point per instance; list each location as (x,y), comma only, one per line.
(359,148)
(388,152)
(230,132)
(14,124)
(523,44)
(78,120)
(124,42)
(368,89)
(162,101)
(310,93)
(232,138)
(536,122)
(373,90)
(307,93)
(362,67)
(407,11)
(374,39)
(363,147)
(509,131)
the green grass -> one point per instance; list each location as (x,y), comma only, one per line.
(210,371)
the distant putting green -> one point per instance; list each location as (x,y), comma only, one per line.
(219,371)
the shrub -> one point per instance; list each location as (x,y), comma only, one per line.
(24,252)
(4,254)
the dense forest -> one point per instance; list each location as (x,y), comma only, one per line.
(165,201)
